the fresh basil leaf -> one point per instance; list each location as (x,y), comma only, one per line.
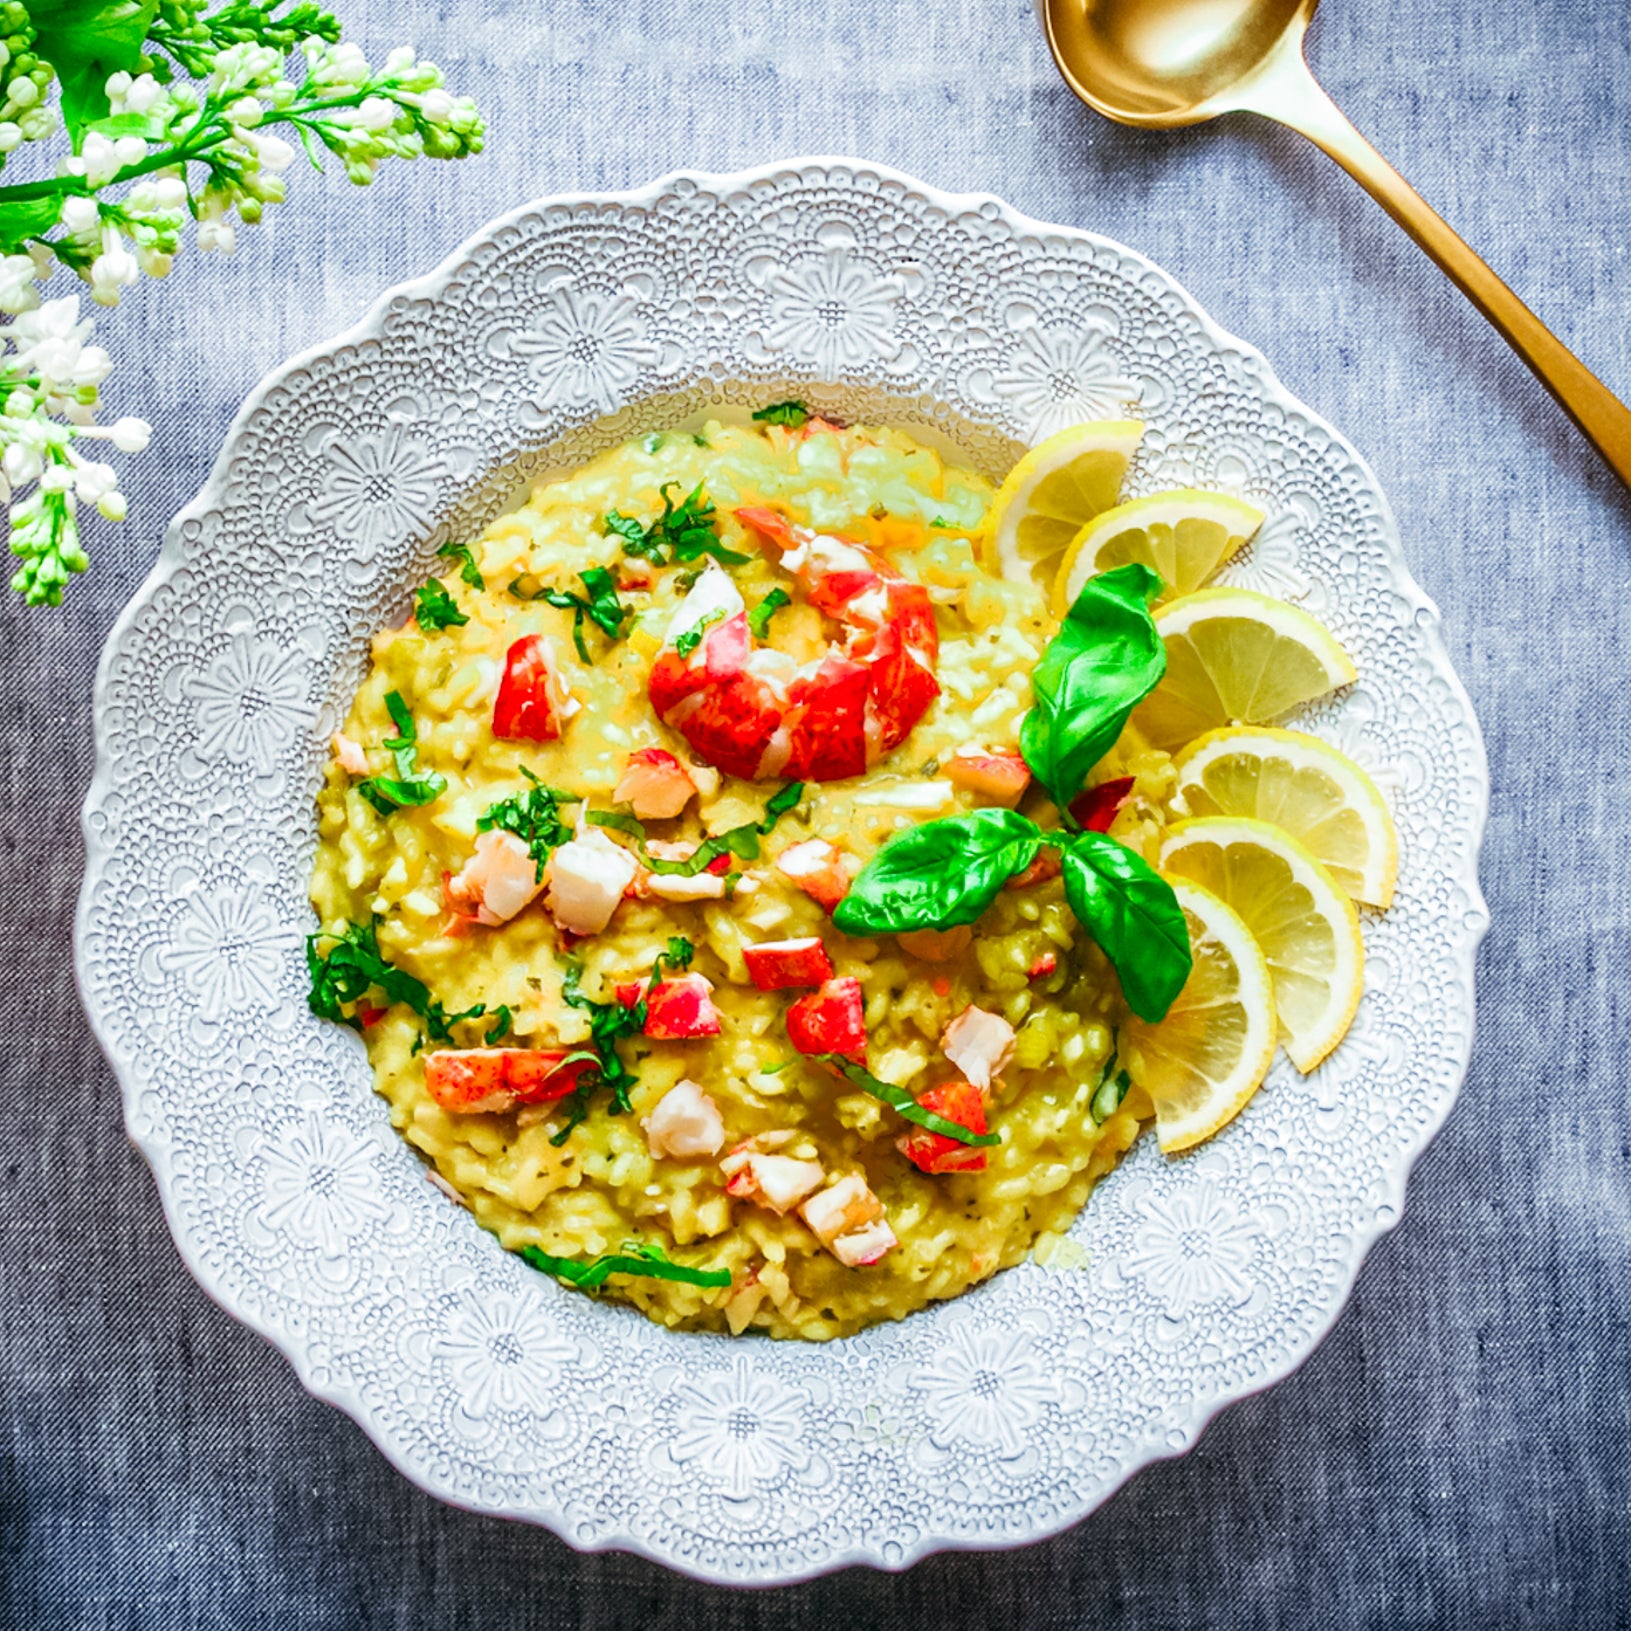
(938,875)
(436,609)
(86,41)
(501,1023)
(902,1101)
(1106,659)
(759,618)
(792,414)
(1131,911)
(680,952)
(469,571)
(646,1261)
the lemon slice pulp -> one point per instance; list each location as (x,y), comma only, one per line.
(1236,657)
(1306,788)
(1210,1054)
(1053,492)
(1307,928)
(1184,535)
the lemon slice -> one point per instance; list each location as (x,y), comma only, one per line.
(1235,657)
(1307,927)
(1053,492)
(1210,1054)
(1184,535)
(1304,787)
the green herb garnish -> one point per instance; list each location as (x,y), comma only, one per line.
(436,609)
(410,786)
(742,842)
(354,966)
(1101,664)
(692,638)
(1112,1089)
(599,604)
(683,532)
(759,618)
(469,571)
(1105,659)
(900,1100)
(534,817)
(791,413)
(647,1261)
(609,1024)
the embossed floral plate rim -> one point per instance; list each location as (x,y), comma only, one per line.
(973,1327)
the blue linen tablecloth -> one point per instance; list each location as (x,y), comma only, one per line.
(1458,1451)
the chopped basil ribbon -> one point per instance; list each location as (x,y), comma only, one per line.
(354,966)
(759,618)
(692,638)
(469,571)
(599,604)
(683,532)
(1106,658)
(1112,1089)
(410,786)
(609,1024)
(647,1261)
(939,875)
(436,609)
(742,841)
(899,1099)
(534,817)
(792,414)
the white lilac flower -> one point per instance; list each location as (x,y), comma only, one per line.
(18,291)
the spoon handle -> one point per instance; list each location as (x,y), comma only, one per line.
(1290,94)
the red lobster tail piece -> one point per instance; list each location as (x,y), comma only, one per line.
(753,712)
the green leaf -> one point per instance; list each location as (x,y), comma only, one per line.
(643,1260)
(1131,911)
(534,817)
(742,842)
(692,638)
(683,532)
(789,413)
(902,1101)
(469,571)
(759,618)
(600,605)
(940,874)
(619,821)
(86,41)
(389,793)
(1105,660)
(436,609)
(354,966)
(1112,1089)
(25,218)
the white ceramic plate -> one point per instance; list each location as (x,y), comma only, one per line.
(570,325)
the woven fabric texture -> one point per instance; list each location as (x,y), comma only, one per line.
(1458,1451)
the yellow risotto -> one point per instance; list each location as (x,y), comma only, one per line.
(605,1047)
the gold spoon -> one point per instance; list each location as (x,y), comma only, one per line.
(1162,63)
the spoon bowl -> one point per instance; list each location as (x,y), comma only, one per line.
(1164,63)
